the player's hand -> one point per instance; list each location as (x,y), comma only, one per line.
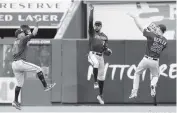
(35,30)
(37,22)
(91,7)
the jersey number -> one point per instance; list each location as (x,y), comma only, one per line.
(156,48)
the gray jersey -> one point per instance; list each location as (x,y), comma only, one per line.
(20,46)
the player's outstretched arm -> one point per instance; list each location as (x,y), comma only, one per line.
(30,35)
(136,20)
(91,29)
(35,30)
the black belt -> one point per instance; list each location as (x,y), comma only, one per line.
(151,58)
(99,54)
(18,59)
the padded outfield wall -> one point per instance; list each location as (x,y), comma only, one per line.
(65,62)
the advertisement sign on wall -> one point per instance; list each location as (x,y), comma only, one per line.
(47,12)
(7,90)
(119,73)
(165,71)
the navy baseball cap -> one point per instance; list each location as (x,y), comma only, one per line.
(98,23)
(162,27)
(24,27)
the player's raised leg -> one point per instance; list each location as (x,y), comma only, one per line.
(154,69)
(139,70)
(46,86)
(29,67)
(101,79)
(94,62)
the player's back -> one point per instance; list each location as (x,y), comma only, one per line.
(155,44)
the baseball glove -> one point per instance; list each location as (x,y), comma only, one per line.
(108,52)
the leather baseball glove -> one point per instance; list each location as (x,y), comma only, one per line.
(108,52)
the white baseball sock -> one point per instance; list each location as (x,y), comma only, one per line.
(136,81)
(154,81)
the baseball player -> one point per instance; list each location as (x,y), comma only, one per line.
(19,64)
(156,43)
(98,46)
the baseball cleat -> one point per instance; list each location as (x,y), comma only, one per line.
(96,85)
(153,91)
(100,99)
(49,86)
(16,105)
(133,94)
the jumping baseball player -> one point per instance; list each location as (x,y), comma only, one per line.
(98,46)
(19,64)
(156,43)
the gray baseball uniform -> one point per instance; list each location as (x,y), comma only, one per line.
(97,44)
(154,47)
(19,65)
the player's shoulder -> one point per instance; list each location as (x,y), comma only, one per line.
(148,33)
(147,30)
(17,40)
(104,35)
(164,38)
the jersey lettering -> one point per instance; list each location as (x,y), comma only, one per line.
(159,40)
